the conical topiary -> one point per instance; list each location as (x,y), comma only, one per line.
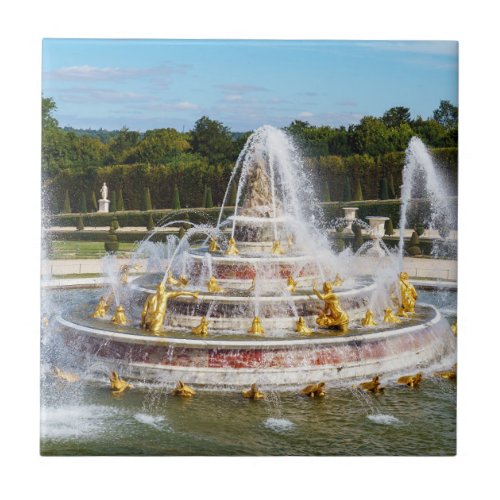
(414,245)
(119,203)
(54,206)
(83,203)
(94,202)
(389,228)
(151,224)
(358,237)
(347,193)
(392,191)
(111,244)
(112,205)
(79,224)
(181,232)
(114,223)
(325,193)
(205,193)
(210,202)
(358,193)
(66,205)
(176,202)
(147,200)
(234,194)
(384,190)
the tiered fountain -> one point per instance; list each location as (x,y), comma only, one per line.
(260,298)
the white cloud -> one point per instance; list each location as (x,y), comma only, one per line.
(233,97)
(185,105)
(305,114)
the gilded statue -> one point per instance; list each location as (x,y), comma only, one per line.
(66,376)
(368,320)
(213,286)
(202,328)
(155,307)
(408,294)
(183,281)
(252,286)
(372,386)
(171,280)
(301,327)
(118,385)
(453,328)
(338,280)
(291,284)
(277,250)
(183,390)
(231,247)
(253,393)
(101,309)
(448,374)
(256,327)
(333,316)
(314,390)
(119,318)
(124,272)
(411,380)
(290,242)
(213,246)
(390,317)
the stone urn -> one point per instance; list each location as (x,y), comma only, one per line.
(377,225)
(349,215)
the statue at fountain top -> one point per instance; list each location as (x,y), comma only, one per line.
(333,316)
(256,328)
(259,200)
(104,192)
(202,328)
(231,247)
(408,294)
(155,307)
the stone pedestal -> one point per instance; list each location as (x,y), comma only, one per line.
(377,225)
(349,215)
(103,206)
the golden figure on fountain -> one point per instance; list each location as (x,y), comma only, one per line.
(389,316)
(411,380)
(183,281)
(301,327)
(213,246)
(101,309)
(291,284)
(369,320)
(171,280)
(118,385)
(231,247)
(253,393)
(277,250)
(333,316)
(372,386)
(202,328)
(338,280)
(408,294)
(66,376)
(155,307)
(183,390)
(213,286)
(119,318)
(256,328)
(314,390)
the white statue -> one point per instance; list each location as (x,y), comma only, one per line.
(104,191)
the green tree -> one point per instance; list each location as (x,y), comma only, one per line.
(446,114)
(233,195)
(384,189)
(358,192)
(176,203)
(151,223)
(94,202)
(205,194)
(83,203)
(213,140)
(326,192)
(347,193)
(122,144)
(112,205)
(210,202)
(147,200)
(395,117)
(414,245)
(389,228)
(120,204)
(390,185)
(79,224)
(66,205)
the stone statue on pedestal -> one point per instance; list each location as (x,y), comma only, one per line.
(104,202)
(104,192)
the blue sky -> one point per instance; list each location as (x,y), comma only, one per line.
(145,84)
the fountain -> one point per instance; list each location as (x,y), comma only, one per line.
(237,304)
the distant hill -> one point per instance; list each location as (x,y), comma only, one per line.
(101,134)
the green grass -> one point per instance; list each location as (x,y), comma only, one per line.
(84,249)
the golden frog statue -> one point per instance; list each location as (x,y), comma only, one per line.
(291,284)
(213,246)
(183,390)
(301,327)
(256,327)
(448,374)
(213,286)
(253,393)
(410,380)
(119,318)
(202,328)
(369,320)
(118,385)
(408,294)
(333,316)
(389,316)
(372,386)
(155,307)
(101,309)
(314,390)
(277,250)
(231,247)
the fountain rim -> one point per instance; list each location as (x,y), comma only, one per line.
(131,338)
